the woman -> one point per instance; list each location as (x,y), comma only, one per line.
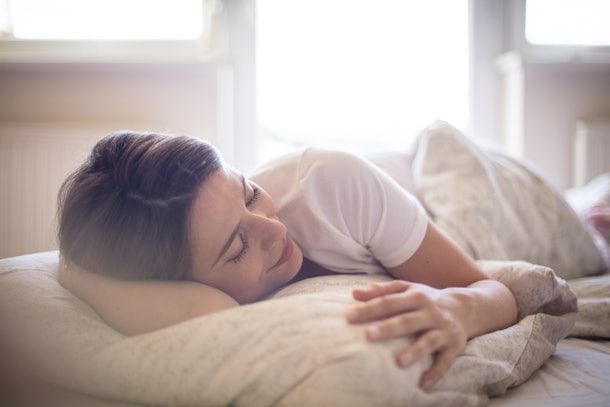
(155,230)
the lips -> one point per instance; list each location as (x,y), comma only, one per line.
(286,253)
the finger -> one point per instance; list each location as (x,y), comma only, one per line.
(382,307)
(424,346)
(439,368)
(401,325)
(379,289)
(387,306)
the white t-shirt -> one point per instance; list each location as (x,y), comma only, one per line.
(344,213)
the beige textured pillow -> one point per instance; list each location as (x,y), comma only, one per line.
(295,350)
(498,208)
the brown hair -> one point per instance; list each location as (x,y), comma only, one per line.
(124,212)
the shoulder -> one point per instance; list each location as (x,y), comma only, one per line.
(333,162)
(341,174)
(309,168)
(311,159)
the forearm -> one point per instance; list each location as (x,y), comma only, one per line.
(136,307)
(476,302)
(482,307)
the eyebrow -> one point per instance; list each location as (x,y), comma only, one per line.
(235,230)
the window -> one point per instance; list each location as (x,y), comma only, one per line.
(567,22)
(103,30)
(358,74)
(105,20)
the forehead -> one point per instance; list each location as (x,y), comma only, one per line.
(215,213)
(226,181)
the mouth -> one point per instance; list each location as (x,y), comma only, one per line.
(286,253)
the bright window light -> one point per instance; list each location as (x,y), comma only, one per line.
(358,74)
(568,22)
(106,19)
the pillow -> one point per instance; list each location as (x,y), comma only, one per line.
(496,207)
(294,349)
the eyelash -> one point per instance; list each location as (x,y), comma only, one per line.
(242,253)
(244,239)
(256,193)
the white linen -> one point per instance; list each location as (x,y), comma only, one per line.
(293,350)
(593,306)
(576,375)
(497,207)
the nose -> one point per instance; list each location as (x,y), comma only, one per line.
(269,230)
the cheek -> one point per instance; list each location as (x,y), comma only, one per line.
(268,201)
(242,280)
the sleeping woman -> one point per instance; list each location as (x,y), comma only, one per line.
(157,229)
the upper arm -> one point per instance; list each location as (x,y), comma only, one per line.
(439,262)
(136,307)
(159,304)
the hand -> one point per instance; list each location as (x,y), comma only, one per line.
(399,308)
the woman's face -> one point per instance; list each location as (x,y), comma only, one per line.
(239,245)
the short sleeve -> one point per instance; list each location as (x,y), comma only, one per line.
(344,212)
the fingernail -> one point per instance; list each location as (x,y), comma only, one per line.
(428,382)
(405,360)
(352,315)
(373,332)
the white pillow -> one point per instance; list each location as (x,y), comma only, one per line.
(293,350)
(496,207)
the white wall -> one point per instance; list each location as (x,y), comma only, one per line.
(170,97)
(529,99)
(555,97)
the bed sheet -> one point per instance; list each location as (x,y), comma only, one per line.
(578,374)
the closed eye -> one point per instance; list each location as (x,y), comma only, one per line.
(243,251)
(256,192)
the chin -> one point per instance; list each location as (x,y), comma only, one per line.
(296,262)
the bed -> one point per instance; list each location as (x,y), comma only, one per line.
(295,348)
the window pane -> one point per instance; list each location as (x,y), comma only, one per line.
(568,22)
(106,19)
(356,73)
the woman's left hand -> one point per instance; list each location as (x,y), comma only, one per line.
(399,308)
